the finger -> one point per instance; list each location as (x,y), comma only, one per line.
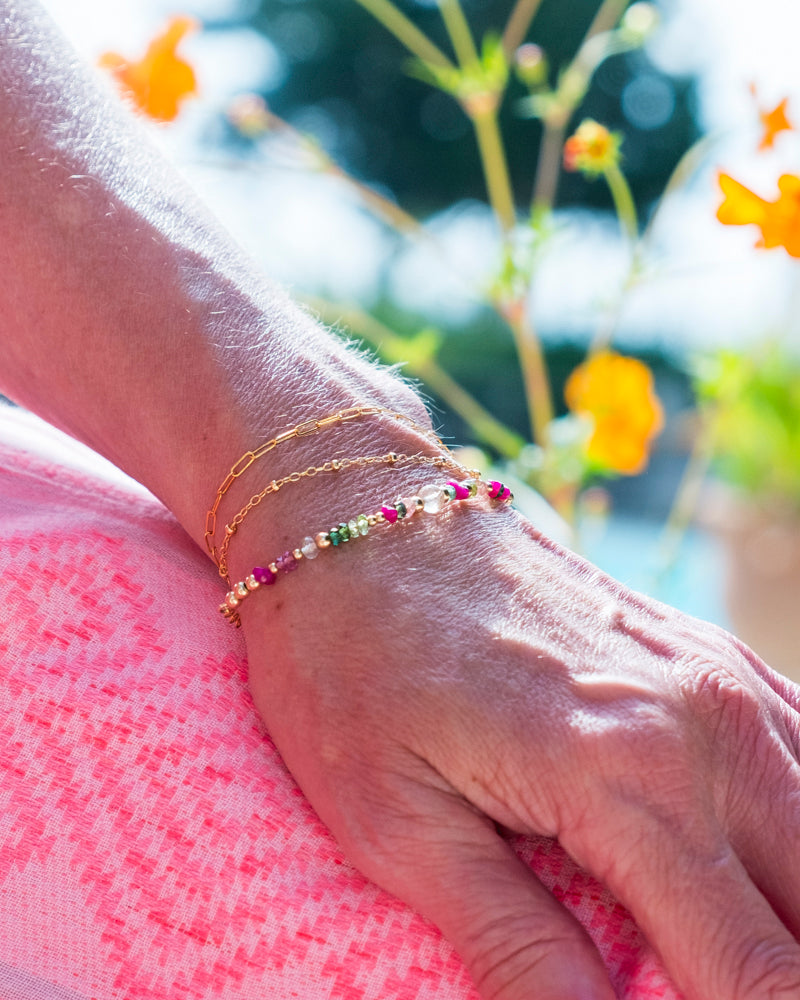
(714,931)
(446,860)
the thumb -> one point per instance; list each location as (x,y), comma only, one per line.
(518,942)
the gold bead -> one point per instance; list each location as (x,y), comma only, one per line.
(232,600)
(251,583)
(240,590)
(298,554)
(322,540)
(336,464)
(273,567)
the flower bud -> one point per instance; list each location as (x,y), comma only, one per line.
(639,21)
(530,63)
(592,149)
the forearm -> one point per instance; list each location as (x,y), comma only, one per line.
(131,319)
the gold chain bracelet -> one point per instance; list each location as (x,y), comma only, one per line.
(334,465)
(305,428)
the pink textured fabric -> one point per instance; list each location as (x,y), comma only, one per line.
(152,845)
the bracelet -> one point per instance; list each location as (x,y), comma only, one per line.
(334,465)
(431,499)
(303,429)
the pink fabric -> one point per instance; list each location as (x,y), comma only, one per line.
(152,845)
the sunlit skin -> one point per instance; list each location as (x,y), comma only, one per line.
(465,677)
(159,82)
(778,220)
(616,393)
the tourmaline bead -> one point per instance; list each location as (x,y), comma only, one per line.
(472,487)
(462,490)
(264,575)
(401,509)
(494,489)
(309,548)
(410,504)
(390,514)
(286,563)
(362,523)
(449,491)
(352,527)
(334,536)
(432,499)
(344,532)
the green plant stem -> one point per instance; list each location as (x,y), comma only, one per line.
(517,26)
(623,203)
(533,366)
(484,426)
(606,18)
(548,167)
(416,41)
(459,32)
(495,167)
(687,495)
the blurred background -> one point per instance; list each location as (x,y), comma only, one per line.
(329,70)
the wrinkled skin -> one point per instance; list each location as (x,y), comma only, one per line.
(544,697)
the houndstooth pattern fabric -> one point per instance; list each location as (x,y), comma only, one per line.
(152,844)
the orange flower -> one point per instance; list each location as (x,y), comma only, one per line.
(160,81)
(779,220)
(773,122)
(616,393)
(592,149)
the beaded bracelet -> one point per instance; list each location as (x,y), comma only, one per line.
(303,429)
(430,499)
(392,458)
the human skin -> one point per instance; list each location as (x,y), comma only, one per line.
(460,676)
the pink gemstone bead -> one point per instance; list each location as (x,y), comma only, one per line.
(495,489)
(287,562)
(461,491)
(264,575)
(390,514)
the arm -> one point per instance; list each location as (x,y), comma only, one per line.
(515,686)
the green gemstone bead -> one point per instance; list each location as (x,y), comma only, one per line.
(362,523)
(449,492)
(344,532)
(473,488)
(334,536)
(401,509)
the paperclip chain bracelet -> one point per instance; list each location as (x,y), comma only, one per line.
(304,429)
(334,465)
(431,499)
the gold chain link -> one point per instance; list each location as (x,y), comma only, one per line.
(304,429)
(334,465)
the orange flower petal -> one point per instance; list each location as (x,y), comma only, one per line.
(779,220)
(617,394)
(160,81)
(774,122)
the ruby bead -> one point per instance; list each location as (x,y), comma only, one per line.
(264,575)
(462,492)
(390,513)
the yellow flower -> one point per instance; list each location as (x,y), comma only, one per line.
(773,122)
(779,220)
(616,393)
(592,149)
(160,81)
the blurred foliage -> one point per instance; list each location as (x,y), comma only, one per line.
(752,404)
(347,82)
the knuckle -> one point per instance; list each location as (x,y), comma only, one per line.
(501,966)
(721,698)
(767,971)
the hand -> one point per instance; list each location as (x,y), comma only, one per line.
(459,672)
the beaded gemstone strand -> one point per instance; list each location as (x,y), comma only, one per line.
(430,499)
